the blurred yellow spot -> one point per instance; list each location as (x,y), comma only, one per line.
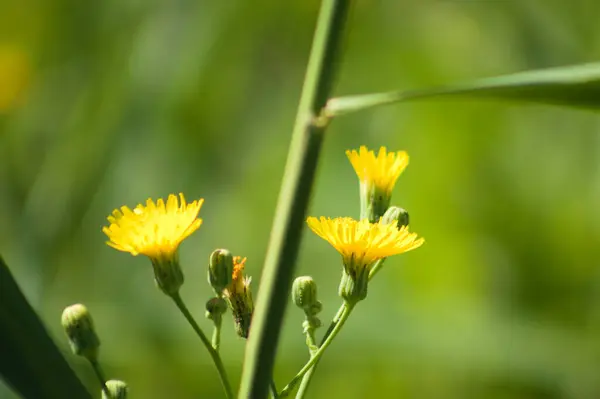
(15,74)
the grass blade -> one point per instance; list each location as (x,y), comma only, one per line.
(574,86)
(30,362)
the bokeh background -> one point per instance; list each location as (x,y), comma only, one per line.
(109,103)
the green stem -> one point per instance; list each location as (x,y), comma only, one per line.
(315,358)
(376,267)
(307,138)
(101,378)
(308,376)
(311,342)
(274,390)
(216,337)
(213,353)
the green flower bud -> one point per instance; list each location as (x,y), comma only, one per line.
(116,390)
(215,307)
(78,324)
(220,270)
(353,287)
(395,213)
(304,292)
(168,274)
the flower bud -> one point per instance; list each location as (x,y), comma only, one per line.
(168,274)
(304,292)
(220,269)
(395,213)
(116,390)
(215,307)
(239,298)
(78,324)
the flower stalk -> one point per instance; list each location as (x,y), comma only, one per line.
(208,344)
(317,355)
(295,192)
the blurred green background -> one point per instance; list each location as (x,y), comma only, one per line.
(109,103)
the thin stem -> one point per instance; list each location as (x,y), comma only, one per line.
(216,337)
(315,358)
(213,353)
(311,342)
(376,267)
(274,390)
(308,376)
(100,374)
(298,178)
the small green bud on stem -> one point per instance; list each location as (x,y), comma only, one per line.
(78,324)
(304,293)
(215,307)
(220,270)
(116,390)
(395,213)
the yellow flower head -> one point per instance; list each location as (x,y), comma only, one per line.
(239,297)
(382,170)
(154,230)
(361,243)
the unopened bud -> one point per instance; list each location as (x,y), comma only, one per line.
(239,298)
(304,292)
(116,390)
(220,269)
(78,324)
(395,213)
(215,307)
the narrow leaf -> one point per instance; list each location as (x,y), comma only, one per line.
(573,86)
(30,362)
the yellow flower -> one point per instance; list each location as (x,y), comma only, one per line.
(154,230)
(382,170)
(239,297)
(360,242)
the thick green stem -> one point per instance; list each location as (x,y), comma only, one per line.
(213,353)
(317,355)
(293,200)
